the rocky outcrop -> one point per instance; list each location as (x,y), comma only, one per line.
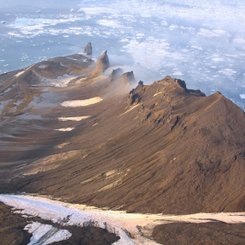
(115,74)
(127,78)
(135,94)
(103,61)
(120,83)
(182,84)
(88,50)
(101,64)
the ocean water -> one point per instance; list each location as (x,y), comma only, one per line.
(201,42)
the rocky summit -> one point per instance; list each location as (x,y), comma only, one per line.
(72,132)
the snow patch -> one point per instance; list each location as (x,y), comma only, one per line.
(64,129)
(46,234)
(43,66)
(118,222)
(77,119)
(156,94)
(130,109)
(74,214)
(81,103)
(19,73)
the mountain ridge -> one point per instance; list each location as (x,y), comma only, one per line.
(150,148)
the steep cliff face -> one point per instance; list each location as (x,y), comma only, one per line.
(106,141)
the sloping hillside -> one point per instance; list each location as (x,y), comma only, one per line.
(105,141)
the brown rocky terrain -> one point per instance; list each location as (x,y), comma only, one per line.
(159,148)
(146,146)
(12,227)
(212,233)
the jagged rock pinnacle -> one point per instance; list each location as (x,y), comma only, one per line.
(103,60)
(88,50)
(128,77)
(141,83)
(102,64)
(181,83)
(115,74)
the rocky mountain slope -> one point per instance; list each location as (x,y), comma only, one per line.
(211,233)
(72,132)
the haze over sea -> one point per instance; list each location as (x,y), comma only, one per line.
(201,42)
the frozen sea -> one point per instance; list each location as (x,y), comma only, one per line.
(201,42)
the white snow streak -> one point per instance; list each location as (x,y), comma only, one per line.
(81,103)
(19,73)
(77,119)
(64,129)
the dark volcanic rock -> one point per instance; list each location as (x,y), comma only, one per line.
(182,84)
(88,50)
(135,94)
